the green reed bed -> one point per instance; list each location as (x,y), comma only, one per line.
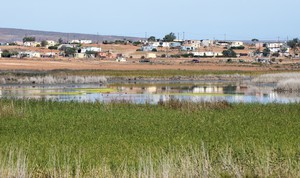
(130,73)
(171,139)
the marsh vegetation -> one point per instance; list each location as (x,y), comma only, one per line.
(172,139)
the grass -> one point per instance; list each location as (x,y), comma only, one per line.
(130,73)
(171,139)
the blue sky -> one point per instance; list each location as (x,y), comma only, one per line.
(199,19)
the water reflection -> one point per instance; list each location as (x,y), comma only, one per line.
(151,93)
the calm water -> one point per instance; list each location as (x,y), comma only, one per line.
(151,93)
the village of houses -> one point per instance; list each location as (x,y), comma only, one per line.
(194,51)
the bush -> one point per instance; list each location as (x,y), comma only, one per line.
(187,55)
(154,50)
(229,53)
(238,47)
(52,47)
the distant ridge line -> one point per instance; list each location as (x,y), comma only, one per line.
(15,34)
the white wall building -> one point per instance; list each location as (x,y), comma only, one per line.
(93,49)
(30,54)
(51,43)
(207,43)
(237,43)
(207,54)
(31,44)
(274,45)
(0,53)
(85,42)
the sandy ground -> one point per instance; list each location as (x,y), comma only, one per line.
(17,64)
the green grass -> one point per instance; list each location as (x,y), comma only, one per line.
(131,73)
(232,139)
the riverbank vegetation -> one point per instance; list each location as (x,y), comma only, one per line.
(130,73)
(171,139)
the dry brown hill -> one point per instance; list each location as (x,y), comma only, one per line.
(12,34)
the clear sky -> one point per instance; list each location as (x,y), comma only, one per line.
(199,19)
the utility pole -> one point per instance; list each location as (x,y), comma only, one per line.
(146,35)
(225,37)
(183,36)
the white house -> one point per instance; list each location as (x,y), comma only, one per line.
(85,42)
(148,48)
(275,47)
(154,44)
(74,41)
(51,43)
(165,44)
(151,55)
(237,44)
(0,53)
(30,54)
(193,43)
(207,54)
(31,44)
(93,49)
(222,43)
(207,42)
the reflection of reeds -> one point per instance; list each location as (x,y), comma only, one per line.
(180,162)
(288,85)
(274,78)
(8,109)
(285,81)
(49,79)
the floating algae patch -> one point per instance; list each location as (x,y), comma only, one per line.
(96,90)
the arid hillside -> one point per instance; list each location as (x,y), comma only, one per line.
(11,35)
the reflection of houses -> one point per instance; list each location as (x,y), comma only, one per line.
(208,89)
(151,89)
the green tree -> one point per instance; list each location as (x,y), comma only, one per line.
(52,47)
(229,53)
(70,52)
(169,37)
(151,39)
(6,53)
(44,43)
(254,40)
(266,52)
(60,41)
(28,39)
(294,44)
